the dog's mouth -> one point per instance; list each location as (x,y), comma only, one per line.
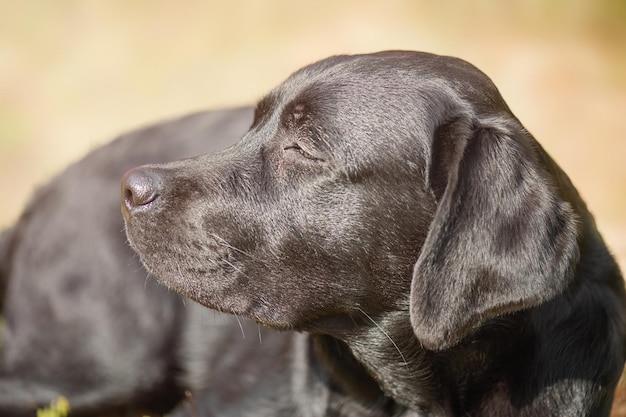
(210,273)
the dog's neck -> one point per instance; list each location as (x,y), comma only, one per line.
(330,382)
(391,354)
(380,364)
(436,383)
(346,374)
(352,390)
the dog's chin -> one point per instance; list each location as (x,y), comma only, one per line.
(197,288)
(212,283)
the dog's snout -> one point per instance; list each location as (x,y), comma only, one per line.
(139,188)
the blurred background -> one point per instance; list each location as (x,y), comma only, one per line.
(74,74)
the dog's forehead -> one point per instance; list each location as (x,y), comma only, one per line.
(405,78)
(412,68)
(361,96)
(387,104)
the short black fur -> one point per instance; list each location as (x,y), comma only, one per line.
(81,319)
(392,208)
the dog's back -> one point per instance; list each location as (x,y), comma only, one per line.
(81,318)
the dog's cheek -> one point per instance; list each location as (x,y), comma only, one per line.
(315,250)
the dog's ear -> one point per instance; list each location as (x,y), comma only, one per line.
(501,239)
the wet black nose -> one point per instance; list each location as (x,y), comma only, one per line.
(139,188)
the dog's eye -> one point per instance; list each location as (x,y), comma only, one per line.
(295,147)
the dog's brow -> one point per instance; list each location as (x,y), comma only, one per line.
(262,108)
(264,103)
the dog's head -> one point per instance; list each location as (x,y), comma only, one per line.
(396,181)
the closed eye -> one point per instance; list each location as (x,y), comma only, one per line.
(296,148)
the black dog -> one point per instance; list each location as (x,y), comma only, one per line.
(393,208)
(81,318)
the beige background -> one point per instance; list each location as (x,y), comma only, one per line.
(73,74)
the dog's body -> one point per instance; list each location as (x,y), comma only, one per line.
(388,240)
(393,208)
(81,317)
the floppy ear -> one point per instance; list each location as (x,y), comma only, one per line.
(501,240)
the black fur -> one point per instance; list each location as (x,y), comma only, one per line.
(81,318)
(392,208)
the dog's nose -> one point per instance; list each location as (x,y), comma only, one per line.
(139,188)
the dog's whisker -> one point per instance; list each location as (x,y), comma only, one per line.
(218,266)
(236,268)
(243,332)
(225,243)
(212,262)
(258,326)
(145,281)
(353,321)
(404,362)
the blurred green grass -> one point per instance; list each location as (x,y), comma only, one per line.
(58,408)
